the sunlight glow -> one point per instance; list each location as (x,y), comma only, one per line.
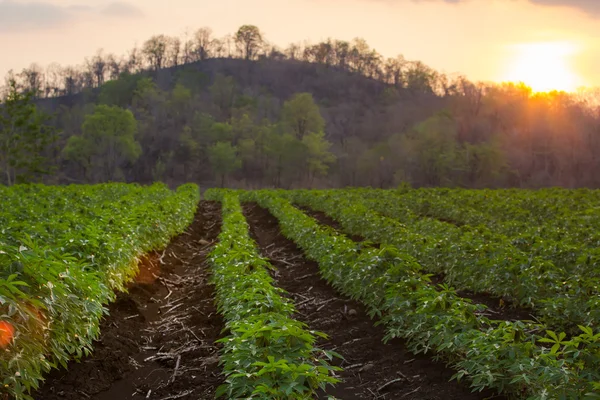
(544,66)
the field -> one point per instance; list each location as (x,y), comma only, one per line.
(354,293)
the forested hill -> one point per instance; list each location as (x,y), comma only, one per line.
(331,114)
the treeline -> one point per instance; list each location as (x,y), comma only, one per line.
(248,43)
(237,111)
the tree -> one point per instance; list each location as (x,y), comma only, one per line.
(301,115)
(223,159)
(318,156)
(52,86)
(24,137)
(420,78)
(203,44)
(106,145)
(180,105)
(173,51)
(32,79)
(431,151)
(485,164)
(71,81)
(249,41)
(155,50)
(120,91)
(115,66)
(98,67)
(394,70)
(286,157)
(223,92)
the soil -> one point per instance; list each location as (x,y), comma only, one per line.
(325,219)
(497,308)
(157,341)
(372,369)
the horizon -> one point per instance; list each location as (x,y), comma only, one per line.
(543,43)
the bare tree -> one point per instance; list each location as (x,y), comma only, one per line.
(223,47)
(155,50)
(187,47)
(342,52)
(395,69)
(87,78)
(173,52)
(97,66)
(293,51)
(53,84)
(32,79)
(71,81)
(204,43)
(135,61)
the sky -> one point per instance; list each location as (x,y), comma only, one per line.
(548,44)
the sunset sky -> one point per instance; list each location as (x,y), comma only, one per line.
(549,44)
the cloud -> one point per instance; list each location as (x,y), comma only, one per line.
(433,1)
(27,16)
(591,7)
(121,9)
(38,15)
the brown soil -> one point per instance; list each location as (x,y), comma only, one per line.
(158,340)
(327,220)
(498,309)
(373,370)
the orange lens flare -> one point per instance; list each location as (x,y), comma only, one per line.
(7,332)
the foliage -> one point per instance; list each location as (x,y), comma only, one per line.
(107,143)
(542,266)
(413,124)
(249,40)
(318,155)
(24,137)
(223,159)
(63,252)
(301,115)
(507,356)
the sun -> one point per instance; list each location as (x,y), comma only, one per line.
(544,66)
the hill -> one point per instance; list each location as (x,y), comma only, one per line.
(331,114)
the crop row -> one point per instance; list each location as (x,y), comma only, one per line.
(560,230)
(472,260)
(506,356)
(63,253)
(266,354)
(555,218)
(566,237)
(535,206)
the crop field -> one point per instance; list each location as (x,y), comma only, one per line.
(148,293)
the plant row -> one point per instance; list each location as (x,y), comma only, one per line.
(535,206)
(506,356)
(560,230)
(531,219)
(266,353)
(468,258)
(556,225)
(63,253)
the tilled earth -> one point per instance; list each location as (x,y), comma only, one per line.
(158,340)
(497,308)
(373,370)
